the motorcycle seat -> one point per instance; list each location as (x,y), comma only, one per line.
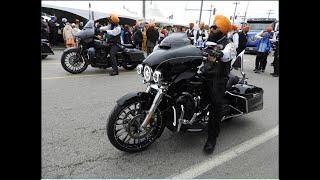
(233,80)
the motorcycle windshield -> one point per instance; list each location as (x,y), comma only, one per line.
(87,31)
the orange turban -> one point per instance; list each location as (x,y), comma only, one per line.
(223,23)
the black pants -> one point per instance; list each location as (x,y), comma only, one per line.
(217,90)
(53,38)
(261,60)
(113,52)
(138,45)
(276,65)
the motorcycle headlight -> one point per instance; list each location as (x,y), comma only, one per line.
(140,69)
(157,76)
(147,73)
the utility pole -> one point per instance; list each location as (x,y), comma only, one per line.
(144,9)
(89,11)
(245,14)
(235,9)
(210,14)
(200,11)
(186,9)
(269,12)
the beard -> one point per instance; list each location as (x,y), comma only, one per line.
(215,36)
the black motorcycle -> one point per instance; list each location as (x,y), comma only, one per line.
(45,48)
(176,96)
(76,59)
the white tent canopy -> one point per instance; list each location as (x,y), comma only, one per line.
(153,14)
(85,13)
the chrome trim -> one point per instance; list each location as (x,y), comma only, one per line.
(195,115)
(153,108)
(140,70)
(181,118)
(174,116)
(154,86)
(158,76)
(146,67)
(236,115)
(247,109)
(148,89)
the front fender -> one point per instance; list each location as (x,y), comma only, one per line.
(71,48)
(133,96)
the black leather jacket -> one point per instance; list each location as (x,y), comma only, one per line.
(218,70)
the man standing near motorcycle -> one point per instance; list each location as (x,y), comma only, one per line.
(113,31)
(201,35)
(190,33)
(216,70)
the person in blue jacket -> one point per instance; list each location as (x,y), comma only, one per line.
(263,50)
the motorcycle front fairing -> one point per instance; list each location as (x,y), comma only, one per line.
(87,33)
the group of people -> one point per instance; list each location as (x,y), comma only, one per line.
(144,36)
(239,39)
(55,32)
(263,50)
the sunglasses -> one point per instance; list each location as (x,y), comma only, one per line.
(213,27)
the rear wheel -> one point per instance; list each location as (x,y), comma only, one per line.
(123,127)
(72,62)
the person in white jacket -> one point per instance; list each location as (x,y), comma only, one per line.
(234,36)
(68,36)
(75,30)
(200,36)
(112,32)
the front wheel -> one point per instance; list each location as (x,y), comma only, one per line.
(123,126)
(73,62)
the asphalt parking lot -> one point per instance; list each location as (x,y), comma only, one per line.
(75,109)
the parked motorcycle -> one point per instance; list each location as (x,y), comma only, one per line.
(176,96)
(45,48)
(76,59)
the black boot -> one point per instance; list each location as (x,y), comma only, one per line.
(113,73)
(209,146)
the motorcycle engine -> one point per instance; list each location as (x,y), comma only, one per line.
(101,55)
(190,104)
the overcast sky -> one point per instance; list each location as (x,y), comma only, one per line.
(256,9)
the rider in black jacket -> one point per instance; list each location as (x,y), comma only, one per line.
(216,70)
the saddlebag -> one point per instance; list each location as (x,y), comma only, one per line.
(135,55)
(246,98)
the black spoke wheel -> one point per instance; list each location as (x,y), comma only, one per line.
(72,62)
(124,130)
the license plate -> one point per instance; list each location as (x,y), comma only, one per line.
(250,48)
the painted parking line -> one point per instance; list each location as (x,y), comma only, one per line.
(225,156)
(64,77)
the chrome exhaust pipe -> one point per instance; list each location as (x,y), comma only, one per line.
(181,118)
(174,116)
